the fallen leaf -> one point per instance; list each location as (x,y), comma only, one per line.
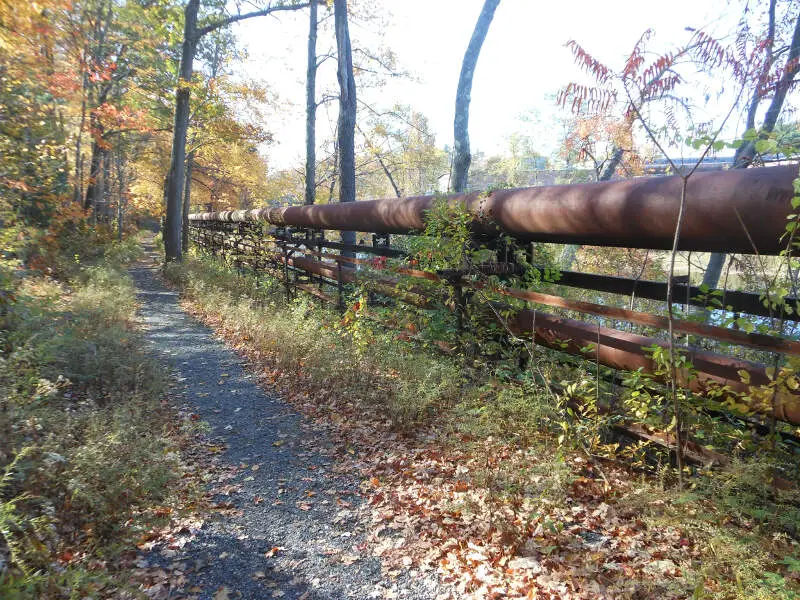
(222,593)
(528,563)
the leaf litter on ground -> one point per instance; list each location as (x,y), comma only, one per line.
(429,513)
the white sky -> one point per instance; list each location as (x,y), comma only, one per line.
(523,63)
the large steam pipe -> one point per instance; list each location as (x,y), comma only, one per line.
(726,211)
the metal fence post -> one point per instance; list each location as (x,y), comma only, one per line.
(339,286)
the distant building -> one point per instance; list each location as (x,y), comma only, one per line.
(662,166)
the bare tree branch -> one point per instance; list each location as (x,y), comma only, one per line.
(256,13)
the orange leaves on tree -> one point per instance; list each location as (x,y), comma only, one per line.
(115,117)
(588,63)
(63,83)
(101,71)
(17,185)
(636,59)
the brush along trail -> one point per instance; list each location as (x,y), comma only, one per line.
(319,494)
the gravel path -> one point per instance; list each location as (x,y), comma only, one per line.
(281,491)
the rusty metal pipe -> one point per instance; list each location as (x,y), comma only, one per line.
(634,213)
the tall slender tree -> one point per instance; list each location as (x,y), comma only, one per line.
(311,107)
(462,156)
(104,68)
(175,178)
(347,111)
(192,34)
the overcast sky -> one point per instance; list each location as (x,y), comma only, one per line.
(523,64)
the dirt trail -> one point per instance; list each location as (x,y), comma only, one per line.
(282,492)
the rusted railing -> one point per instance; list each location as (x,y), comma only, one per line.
(741,211)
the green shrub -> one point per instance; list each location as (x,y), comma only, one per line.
(744,526)
(83,433)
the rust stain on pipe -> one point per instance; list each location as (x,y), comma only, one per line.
(635,213)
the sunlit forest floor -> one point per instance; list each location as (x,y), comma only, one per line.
(143,458)
(467,484)
(90,446)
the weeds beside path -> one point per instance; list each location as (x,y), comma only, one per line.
(288,527)
(467,481)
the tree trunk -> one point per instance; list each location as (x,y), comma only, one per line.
(93,188)
(120,210)
(105,192)
(390,177)
(120,195)
(99,191)
(187,202)
(311,108)
(461,150)
(746,152)
(568,255)
(347,112)
(191,35)
(174,215)
(334,170)
(78,194)
(611,167)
